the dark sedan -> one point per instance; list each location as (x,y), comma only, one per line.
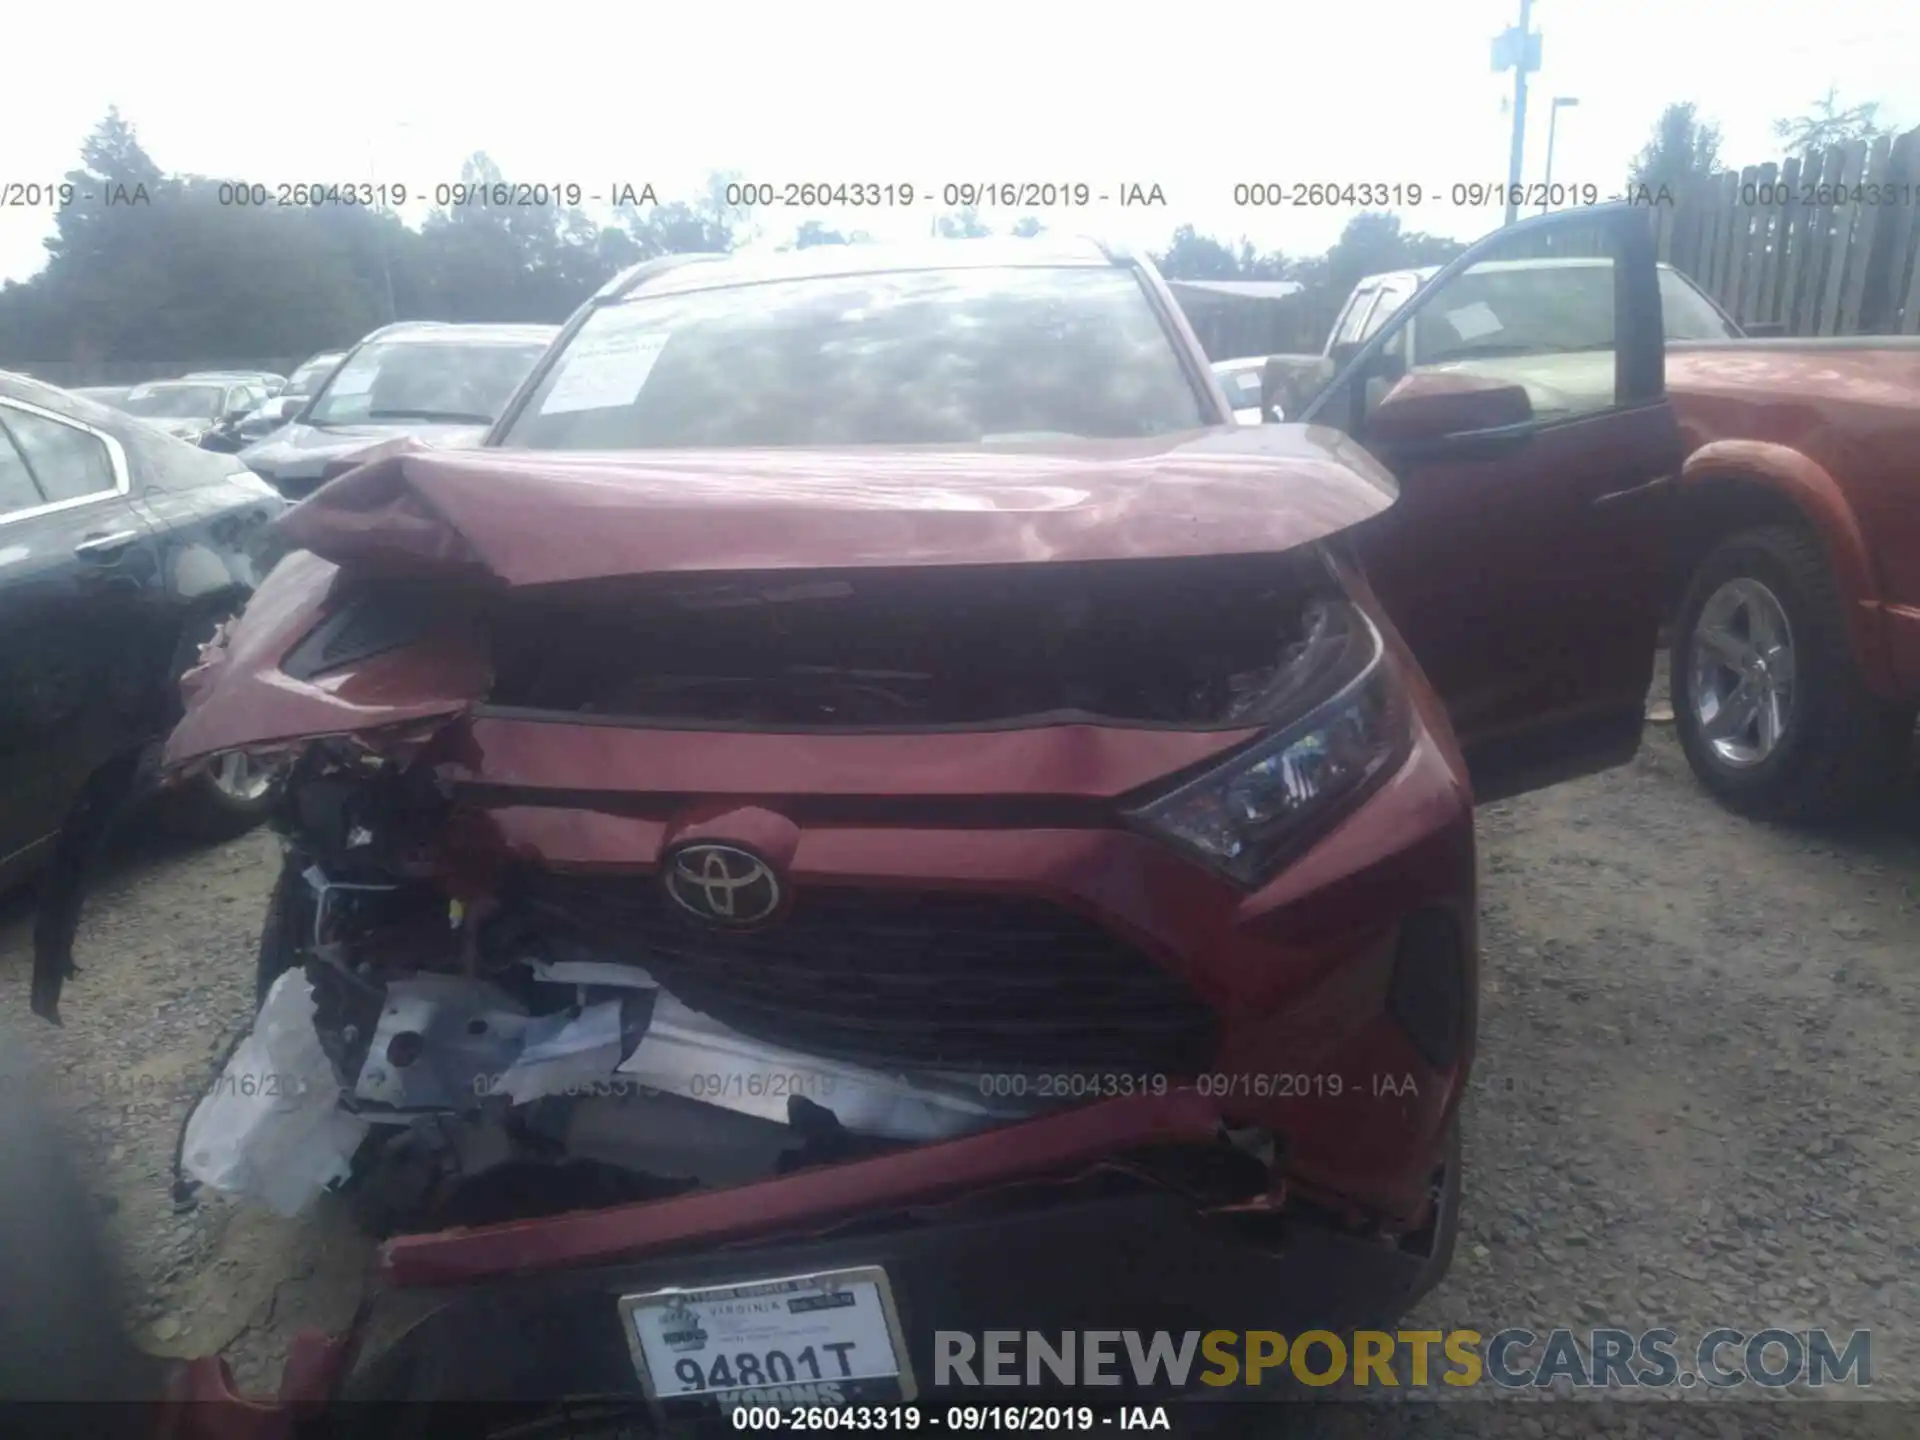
(284,406)
(109,395)
(445,384)
(120,550)
(191,409)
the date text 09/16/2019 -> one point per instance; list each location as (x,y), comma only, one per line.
(1470,194)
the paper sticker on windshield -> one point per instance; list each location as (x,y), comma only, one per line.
(1470,322)
(602,372)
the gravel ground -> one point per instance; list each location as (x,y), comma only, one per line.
(1693,1104)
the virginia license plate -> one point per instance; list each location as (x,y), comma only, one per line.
(831,1338)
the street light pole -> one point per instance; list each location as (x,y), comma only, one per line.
(1560,102)
(386,258)
(1519,50)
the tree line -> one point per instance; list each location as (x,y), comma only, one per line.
(170,273)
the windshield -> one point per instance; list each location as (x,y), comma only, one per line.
(898,358)
(452,380)
(174,402)
(1689,315)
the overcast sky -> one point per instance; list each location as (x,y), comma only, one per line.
(1394,91)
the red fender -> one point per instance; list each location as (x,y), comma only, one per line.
(1818,498)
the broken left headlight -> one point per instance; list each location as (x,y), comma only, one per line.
(1346,728)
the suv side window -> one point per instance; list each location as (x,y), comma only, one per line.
(1353,327)
(68,463)
(1393,295)
(17,490)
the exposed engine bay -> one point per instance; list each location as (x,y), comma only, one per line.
(1165,643)
(480,1013)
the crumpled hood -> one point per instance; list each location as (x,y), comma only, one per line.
(304,454)
(533,518)
(493,519)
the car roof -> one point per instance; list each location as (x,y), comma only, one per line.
(73,404)
(716,271)
(16,386)
(409,331)
(1543,262)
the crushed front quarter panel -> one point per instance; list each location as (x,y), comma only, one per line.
(238,695)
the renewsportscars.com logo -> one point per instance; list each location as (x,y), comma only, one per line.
(1602,1357)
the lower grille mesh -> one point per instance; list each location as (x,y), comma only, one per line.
(892,978)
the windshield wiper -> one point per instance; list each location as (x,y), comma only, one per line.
(453,416)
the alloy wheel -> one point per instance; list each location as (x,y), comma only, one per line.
(1743,673)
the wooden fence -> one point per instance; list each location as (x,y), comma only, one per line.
(1822,244)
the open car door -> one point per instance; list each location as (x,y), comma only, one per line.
(1520,400)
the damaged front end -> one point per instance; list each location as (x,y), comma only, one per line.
(456,1020)
(639,840)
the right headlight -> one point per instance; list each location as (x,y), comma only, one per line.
(1342,727)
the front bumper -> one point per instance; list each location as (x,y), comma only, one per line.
(1311,976)
(1141,1262)
(512,1346)
(1307,975)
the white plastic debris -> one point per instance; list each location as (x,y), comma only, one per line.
(566,1054)
(270,1129)
(685,1052)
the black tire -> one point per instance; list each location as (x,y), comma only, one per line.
(201,811)
(1842,747)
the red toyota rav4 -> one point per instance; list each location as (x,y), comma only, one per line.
(873,765)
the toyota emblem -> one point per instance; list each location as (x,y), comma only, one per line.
(722,884)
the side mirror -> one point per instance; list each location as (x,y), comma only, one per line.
(272,415)
(1434,404)
(1289,382)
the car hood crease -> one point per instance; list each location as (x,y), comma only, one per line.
(535,518)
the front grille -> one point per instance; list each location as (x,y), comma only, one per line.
(891,978)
